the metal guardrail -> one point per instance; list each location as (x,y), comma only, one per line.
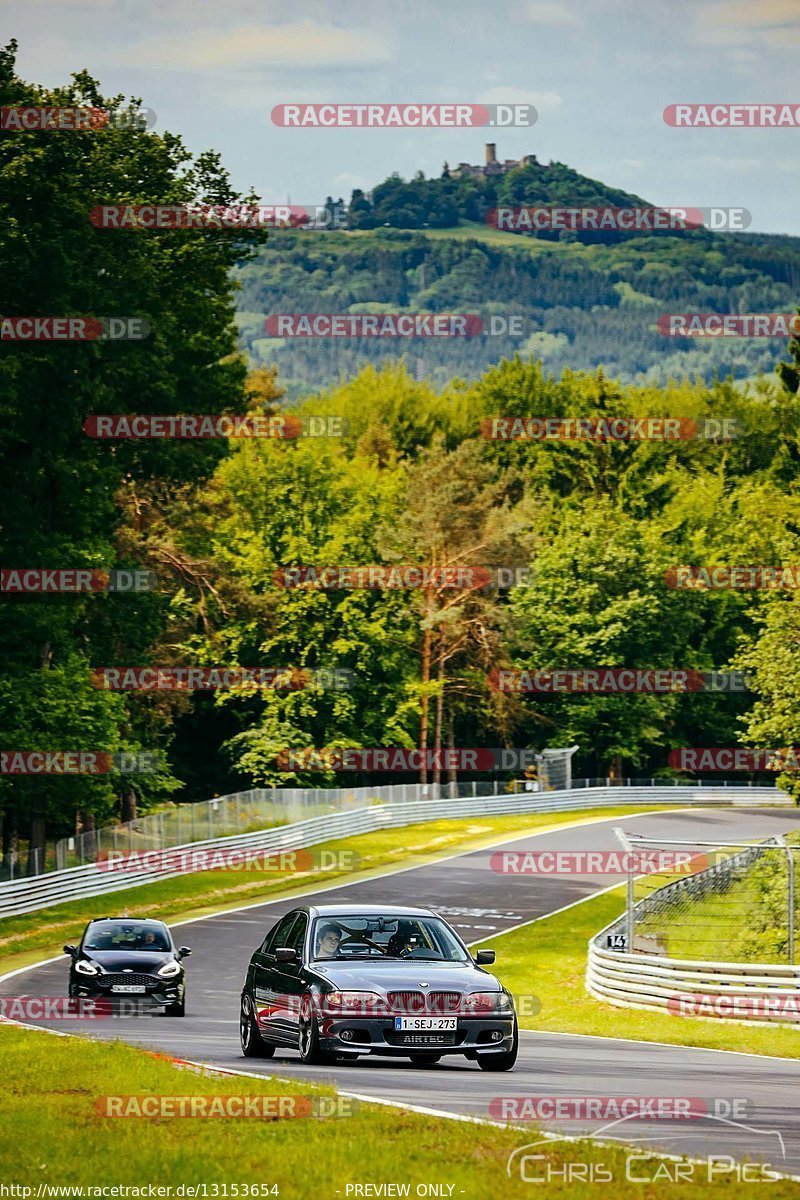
(242,812)
(74,883)
(636,981)
(722,990)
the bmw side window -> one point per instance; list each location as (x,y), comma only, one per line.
(280,931)
(297,936)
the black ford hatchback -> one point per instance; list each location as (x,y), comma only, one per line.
(339,981)
(129,957)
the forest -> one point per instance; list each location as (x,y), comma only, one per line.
(403,475)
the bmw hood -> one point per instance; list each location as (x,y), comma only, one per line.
(372,975)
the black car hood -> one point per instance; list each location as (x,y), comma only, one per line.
(410,975)
(145,962)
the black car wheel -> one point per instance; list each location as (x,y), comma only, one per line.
(425,1060)
(253,1045)
(308,1036)
(504,1061)
(176,1010)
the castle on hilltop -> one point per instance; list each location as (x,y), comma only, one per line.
(492,166)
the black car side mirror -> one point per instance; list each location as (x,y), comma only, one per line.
(484,957)
(285,954)
(70,950)
(184,952)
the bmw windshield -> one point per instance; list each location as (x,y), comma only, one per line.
(374,938)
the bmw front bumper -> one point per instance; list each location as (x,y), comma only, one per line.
(377,1035)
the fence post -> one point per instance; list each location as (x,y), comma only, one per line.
(629,919)
(791,908)
(791,903)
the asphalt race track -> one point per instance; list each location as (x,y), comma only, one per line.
(479,902)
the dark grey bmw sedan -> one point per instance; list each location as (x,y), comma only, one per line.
(339,981)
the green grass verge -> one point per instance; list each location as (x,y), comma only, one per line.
(54,1135)
(24,938)
(547,960)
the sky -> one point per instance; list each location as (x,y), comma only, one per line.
(599,72)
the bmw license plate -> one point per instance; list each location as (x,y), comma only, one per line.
(426,1023)
(129,989)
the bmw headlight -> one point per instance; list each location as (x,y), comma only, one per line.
(84,967)
(362,1004)
(169,969)
(488,1002)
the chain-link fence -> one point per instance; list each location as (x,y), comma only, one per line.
(244,812)
(261,808)
(734,902)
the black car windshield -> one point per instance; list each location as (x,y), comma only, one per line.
(126,935)
(379,937)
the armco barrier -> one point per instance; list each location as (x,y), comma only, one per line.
(74,883)
(639,981)
(735,991)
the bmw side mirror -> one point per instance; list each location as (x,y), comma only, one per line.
(184,952)
(484,957)
(285,954)
(70,950)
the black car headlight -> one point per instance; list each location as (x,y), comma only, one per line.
(84,967)
(169,970)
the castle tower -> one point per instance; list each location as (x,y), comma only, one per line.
(491,155)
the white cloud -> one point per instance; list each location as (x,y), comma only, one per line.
(549,12)
(306,44)
(741,22)
(512,95)
(734,163)
(782,38)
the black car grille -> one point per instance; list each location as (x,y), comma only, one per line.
(414,1003)
(127,977)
